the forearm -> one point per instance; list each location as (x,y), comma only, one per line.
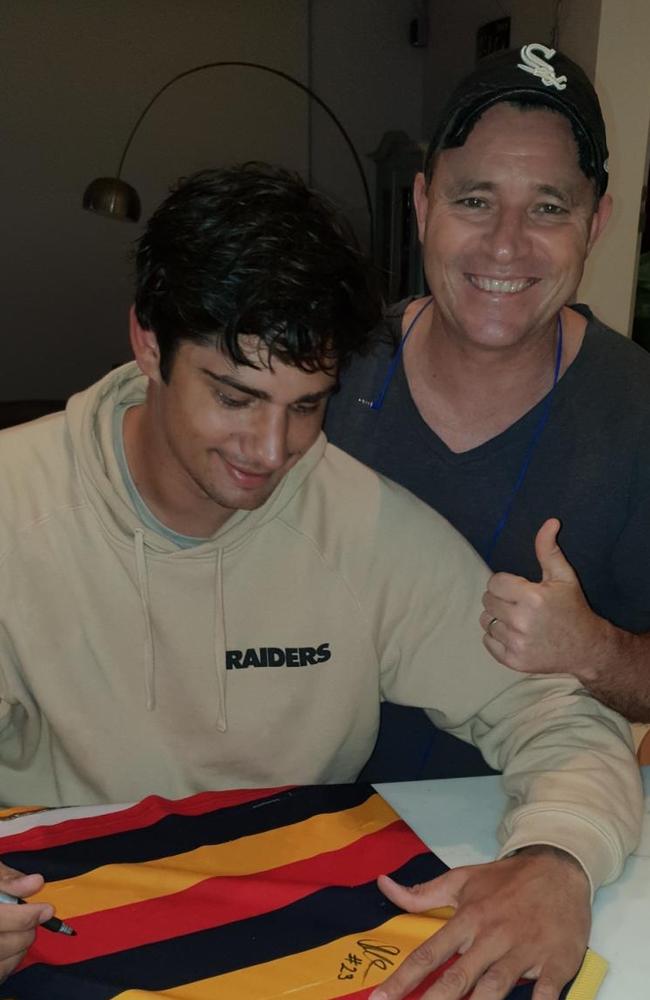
(618,672)
(568,770)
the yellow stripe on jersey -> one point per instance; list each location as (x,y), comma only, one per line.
(316,970)
(118,885)
(590,977)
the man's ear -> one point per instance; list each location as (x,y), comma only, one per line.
(599,220)
(421,203)
(144,345)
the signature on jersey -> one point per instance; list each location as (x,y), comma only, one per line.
(367,955)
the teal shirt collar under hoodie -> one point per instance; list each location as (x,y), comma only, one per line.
(89,417)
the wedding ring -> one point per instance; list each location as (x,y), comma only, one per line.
(489,626)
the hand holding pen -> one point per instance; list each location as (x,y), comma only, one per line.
(18,923)
(53,924)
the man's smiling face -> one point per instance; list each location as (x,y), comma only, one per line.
(506,225)
(227,433)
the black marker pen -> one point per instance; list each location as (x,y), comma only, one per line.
(53,924)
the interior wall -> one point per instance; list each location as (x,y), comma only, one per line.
(77,74)
(578,31)
(452,49)
(364,66)
(623,83)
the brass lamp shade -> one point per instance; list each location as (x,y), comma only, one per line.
(112,197)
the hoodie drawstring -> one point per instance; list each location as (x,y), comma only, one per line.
(220,644)
(143,586)
(219,633)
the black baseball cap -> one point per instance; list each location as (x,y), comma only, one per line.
(534,74)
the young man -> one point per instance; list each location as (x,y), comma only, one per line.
(511,411)
(199,592)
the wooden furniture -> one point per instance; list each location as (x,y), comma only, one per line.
(397,247)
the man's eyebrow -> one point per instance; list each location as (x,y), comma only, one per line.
(555,192)
(315,397)
(463,187)
(233,383)
(470,185)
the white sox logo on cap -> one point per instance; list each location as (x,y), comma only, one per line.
(532,63)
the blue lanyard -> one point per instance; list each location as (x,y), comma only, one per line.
(378,402)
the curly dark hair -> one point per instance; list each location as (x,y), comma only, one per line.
(251,249)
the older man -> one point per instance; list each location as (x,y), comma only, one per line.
(515,414)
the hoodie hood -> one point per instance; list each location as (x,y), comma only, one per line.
(89,418)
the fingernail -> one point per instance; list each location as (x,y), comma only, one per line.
(378,995)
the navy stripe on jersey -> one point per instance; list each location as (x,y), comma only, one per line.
(177,834)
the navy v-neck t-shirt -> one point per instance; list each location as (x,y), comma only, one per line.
(590,467)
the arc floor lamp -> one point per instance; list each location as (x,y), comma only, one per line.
(115,198)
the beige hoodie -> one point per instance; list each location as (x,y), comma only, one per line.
(129,666)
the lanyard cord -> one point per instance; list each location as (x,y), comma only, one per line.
(378,401)
(530,450)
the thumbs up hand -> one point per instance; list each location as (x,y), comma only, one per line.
(550,556)
(545,627)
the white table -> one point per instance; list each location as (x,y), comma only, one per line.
(458,818)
